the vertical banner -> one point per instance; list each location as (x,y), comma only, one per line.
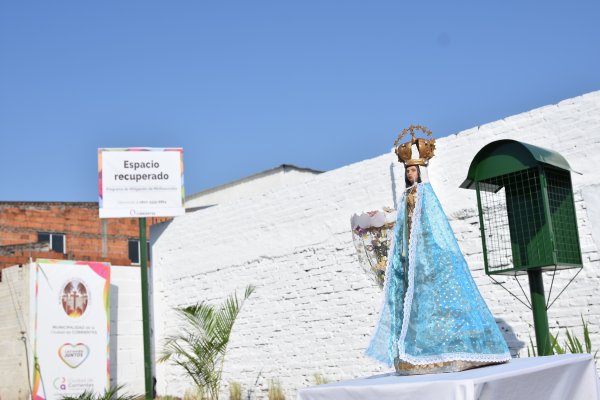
(71,352)
(140,182)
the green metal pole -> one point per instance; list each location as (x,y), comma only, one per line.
(540,315)
(145,310)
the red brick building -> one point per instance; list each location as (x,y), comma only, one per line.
(66,230)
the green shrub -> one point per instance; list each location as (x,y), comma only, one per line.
(572,345)
(200,347)
(320,379)
(110,394)
(196,393)
(275,390)
(235,391)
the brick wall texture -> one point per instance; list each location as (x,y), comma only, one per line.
(314,309)
(88,238)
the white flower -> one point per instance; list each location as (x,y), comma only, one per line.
(373,219)
(378,219)
(364,221)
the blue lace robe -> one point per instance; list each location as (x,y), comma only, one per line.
(432,310)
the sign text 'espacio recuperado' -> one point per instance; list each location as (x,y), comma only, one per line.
(141,182)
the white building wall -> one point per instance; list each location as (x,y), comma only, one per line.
(314,309)
(126,338)
(126,341)
(14,334)
(254,185)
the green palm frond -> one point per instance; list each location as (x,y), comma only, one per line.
(573,343)
(200,346)
(109,394)
(555,345)
(586,338)
(531,352)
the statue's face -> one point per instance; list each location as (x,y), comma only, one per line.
(412,174)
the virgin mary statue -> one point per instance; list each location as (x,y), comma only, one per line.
(433,318)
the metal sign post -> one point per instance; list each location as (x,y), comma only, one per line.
(138,183)
(145,311)
(540,313)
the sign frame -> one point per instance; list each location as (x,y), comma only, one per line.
(140,182)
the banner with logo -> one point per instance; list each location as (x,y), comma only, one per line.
(140,182)
(71,317)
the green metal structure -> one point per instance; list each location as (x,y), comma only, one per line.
(527,217)
(148,381)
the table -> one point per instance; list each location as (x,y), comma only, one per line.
(561,377)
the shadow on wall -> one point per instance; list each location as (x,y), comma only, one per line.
(114,334)
(514,344)
(393,179)
(591,195)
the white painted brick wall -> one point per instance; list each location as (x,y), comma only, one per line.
(126,342)
(253,185)
(314,309)
(14,319)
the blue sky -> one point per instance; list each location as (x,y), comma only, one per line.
(245,86)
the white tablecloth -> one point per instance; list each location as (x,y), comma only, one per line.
(563,377)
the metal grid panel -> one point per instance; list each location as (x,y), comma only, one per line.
(562,214)
(529,232)
(516,231)
(496,233)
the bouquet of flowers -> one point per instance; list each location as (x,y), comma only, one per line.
(372,233)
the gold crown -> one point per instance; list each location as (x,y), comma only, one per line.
(425,147)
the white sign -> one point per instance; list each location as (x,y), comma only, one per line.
(140,182)
(71,311)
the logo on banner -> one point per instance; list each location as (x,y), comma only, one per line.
(73,354)
(74,298)
(60,383)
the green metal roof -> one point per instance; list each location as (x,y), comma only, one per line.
(505,156)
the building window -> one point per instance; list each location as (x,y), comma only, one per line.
(57,241)
(134,251)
